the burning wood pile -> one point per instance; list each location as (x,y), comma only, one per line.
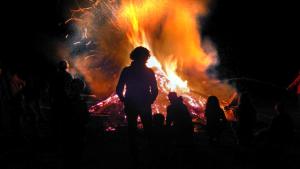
(194,102)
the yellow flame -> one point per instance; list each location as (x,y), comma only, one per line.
(175,82)
(132,15)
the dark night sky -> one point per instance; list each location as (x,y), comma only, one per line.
(254,39)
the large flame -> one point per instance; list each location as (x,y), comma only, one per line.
(134,18)
(168,28)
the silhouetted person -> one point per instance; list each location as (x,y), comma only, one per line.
(277,140)
(160,141)
(32,112)
(12,99)
(158,125)
(179,120)
(216,119)
(159,130)
(11,113)
(73,128)
(141,92)
(296,84)
(281,129)
(246,119)
(59,92)
(61,83)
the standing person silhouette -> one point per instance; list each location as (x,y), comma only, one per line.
(216,119)
(141,91)
(59,92)
(246,119)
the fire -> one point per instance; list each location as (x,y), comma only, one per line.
(168,28)
(133,15)
(175,82)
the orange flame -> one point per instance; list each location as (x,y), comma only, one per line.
(139,19)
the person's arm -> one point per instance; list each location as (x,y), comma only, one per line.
(153,85)
(294,83)
(222,116)
(120,86)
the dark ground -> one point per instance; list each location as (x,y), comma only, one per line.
(109,150)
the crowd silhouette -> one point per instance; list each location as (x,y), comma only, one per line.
(169,141)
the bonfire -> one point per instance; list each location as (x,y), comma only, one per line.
(109,29)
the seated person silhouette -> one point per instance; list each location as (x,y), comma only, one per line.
(179,120)
(141,91)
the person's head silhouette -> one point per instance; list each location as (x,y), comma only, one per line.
(158,120)
(63,65)
(212,102)
(173,98)
(140,55)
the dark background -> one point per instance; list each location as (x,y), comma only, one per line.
(255,39)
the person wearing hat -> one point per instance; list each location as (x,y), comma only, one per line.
(140,93)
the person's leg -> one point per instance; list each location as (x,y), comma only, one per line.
(131,115)
(146,118)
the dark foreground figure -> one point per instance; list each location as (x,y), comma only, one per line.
(59,93)
(141,92)
(69,116)
(277,148)
(246,114)
(282,129)
(216,119)
(74,128)
(179,120)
